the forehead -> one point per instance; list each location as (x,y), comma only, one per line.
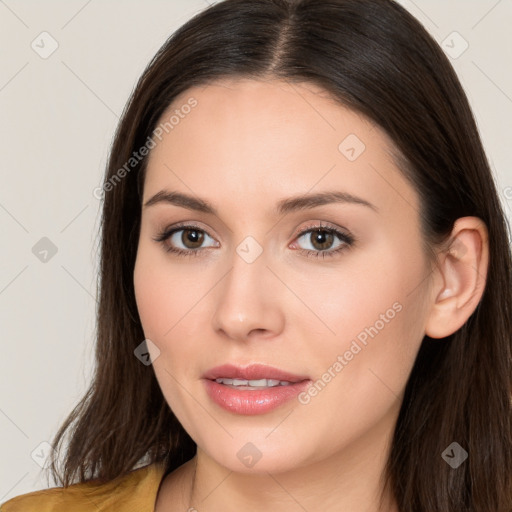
(256,140)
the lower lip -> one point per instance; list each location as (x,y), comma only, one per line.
(249,401)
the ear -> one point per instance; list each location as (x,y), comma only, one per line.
(460,277)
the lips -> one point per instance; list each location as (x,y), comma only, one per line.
(254,389)
(252,372)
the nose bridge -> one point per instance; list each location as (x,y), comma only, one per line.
(245,302)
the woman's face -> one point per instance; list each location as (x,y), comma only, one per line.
(345,313)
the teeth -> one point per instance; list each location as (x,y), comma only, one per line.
(261,383)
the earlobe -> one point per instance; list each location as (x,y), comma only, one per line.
(462,273)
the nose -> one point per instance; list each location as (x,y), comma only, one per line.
(248,302)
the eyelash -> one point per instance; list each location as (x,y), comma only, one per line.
(347,239)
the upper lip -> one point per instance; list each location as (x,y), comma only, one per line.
(251,372)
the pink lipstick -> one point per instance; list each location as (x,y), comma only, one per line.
(254,389)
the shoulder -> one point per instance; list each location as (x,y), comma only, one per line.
(136,490)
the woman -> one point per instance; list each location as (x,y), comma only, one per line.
(305,278)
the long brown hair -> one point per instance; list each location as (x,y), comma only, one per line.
(377,59)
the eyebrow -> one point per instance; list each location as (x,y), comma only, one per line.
(284,206)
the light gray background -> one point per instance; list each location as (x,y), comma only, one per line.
(58,118)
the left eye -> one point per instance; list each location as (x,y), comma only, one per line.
(322,239)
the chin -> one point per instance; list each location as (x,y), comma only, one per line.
(259,457)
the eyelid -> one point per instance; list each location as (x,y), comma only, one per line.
(170,229)
(322,225)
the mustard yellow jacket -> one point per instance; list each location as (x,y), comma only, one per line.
(134,492)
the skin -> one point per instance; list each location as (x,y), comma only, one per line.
(245,146)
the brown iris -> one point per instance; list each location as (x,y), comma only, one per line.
(323,237)
(194,237)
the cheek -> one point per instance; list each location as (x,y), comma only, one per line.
(163,311)
(153,297)
(172,304)
(374,309)
(165,294)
